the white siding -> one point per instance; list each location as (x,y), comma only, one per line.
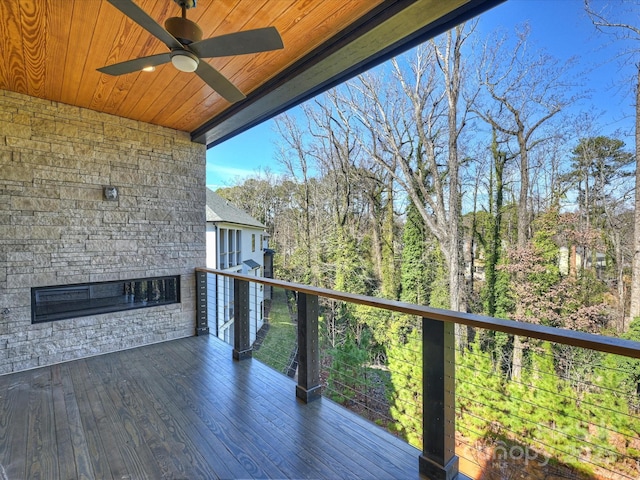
(228,247)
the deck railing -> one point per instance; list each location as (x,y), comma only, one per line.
(441,353)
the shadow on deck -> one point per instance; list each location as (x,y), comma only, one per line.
(183,409)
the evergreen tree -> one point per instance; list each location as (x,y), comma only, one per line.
(608,408)
(542,411)
(405,367)
(352,272)
(481,399)
(350,352)
(630,383)
(597,165)
(347,374)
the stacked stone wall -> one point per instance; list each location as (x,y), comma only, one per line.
(57,227)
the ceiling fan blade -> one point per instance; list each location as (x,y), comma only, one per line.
(219,82)
(136,64)
(239,43)
(135,13)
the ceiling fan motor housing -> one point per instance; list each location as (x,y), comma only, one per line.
(183,29)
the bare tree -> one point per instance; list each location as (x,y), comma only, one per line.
(623,30)
(294,156)
(413,132)
(364,192)
(525,91)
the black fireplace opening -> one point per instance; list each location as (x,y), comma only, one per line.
(60,302)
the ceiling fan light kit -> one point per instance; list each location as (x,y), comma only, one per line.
(184,61)
(183,38)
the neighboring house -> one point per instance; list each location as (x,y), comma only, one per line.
(235,242)
(576,258)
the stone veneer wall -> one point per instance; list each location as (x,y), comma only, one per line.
(56,227)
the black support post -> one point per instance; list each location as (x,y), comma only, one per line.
(241,340)
(202,317)
(308,388)
(438,460)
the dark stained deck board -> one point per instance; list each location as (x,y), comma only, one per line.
(326,438)
(14,395)
(42,454)
(179,424)
(256,427)
(270,457)
(340,434)
(250,412)
(261,431)
(329,447)
(125,416)
(126,410)
(74,457)
(82,394)
(183,409)
(267,460)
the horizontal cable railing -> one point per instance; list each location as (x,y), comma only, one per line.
(572,410)
(572,413)
(278,348)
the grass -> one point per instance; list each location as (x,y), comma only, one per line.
(281,337)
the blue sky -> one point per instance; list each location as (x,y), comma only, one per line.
(561,27)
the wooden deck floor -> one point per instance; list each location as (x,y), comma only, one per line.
(182,409)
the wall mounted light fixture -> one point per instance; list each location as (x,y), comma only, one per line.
(111,193)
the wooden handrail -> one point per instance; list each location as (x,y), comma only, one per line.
(600,343)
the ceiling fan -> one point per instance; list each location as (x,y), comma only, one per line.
(184,40)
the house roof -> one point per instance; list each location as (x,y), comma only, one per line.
(52,50)
(222,210)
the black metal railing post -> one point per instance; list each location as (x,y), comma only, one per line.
(241,339)
(202,317)
(438,459)
(308,388)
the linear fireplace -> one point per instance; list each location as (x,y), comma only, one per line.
(59,302)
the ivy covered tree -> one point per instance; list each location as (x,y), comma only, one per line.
(493,241)
(417,276)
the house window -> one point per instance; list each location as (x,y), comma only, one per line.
(230,254)
(238,253)
(231,242)
(223,248)
(253,242)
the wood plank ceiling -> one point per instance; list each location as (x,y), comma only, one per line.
(51,49)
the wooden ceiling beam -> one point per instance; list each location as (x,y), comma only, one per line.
(388,30)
